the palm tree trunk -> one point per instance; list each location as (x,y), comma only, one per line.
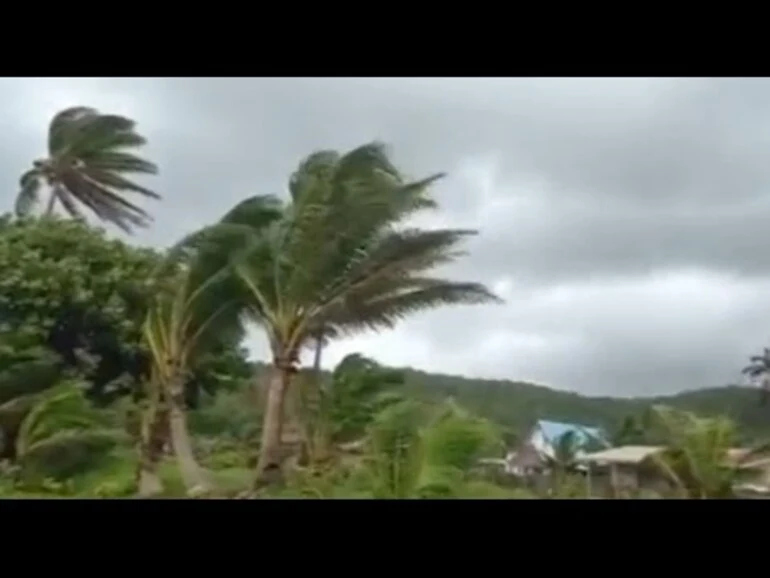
(320,443)
(149,483)
(270,446)
(151,442)
(51,203)
(192,474)
(319,346)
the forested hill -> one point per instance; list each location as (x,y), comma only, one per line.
(516,404)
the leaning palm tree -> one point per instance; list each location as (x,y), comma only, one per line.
(759,371)
(337,263)
(334,261)
(177,330)
(87,163)
(699,459)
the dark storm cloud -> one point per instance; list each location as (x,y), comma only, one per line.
(588,189)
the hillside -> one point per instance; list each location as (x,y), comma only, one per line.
(516,404)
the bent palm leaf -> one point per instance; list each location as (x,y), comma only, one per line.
(87,163)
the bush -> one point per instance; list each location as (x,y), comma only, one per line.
(68,455)
(230,416)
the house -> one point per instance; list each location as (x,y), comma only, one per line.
(540,445)
(630,468)
(624,468)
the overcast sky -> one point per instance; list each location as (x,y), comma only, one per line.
(624,221)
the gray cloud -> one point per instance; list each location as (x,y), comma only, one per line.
(624,219)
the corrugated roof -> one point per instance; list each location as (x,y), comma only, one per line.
(637,454)
(553,430)
(621,455)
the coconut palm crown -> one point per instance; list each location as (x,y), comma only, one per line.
(88,158)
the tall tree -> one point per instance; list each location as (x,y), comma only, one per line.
(337,262)
(759,370)
(87,163)
(68,288)
(333,261)
(186,319)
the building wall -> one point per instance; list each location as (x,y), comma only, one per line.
(627,480)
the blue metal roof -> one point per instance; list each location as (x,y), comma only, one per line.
(553,430)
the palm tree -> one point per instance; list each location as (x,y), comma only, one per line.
(191,308)
(47,426)
(698,459)
(332,261)
(87,162)
(336,262)
(759,370)
(62,424)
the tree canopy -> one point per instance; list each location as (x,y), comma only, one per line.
(87,163)
(67,287)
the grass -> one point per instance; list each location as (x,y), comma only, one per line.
(115,478)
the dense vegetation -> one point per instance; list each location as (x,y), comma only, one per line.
(122,369)
(516,405)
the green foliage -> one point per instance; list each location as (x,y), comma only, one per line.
(396,452)
(516,405)
(69,290)
(697,459)
(342,409)
(632,431)
(87,164)
(229,416)
(65,286)
(332,260)
(317,265)
(419,452)
(359,389)
(62,434)
(457,439)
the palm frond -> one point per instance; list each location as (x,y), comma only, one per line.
(239,238)
(397,254)
(101,201)
(63,439)
(385,310)
(113,181)
(104,132)
(62,408)
(121,162)
(341,204)
(63,127)
(87,159)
